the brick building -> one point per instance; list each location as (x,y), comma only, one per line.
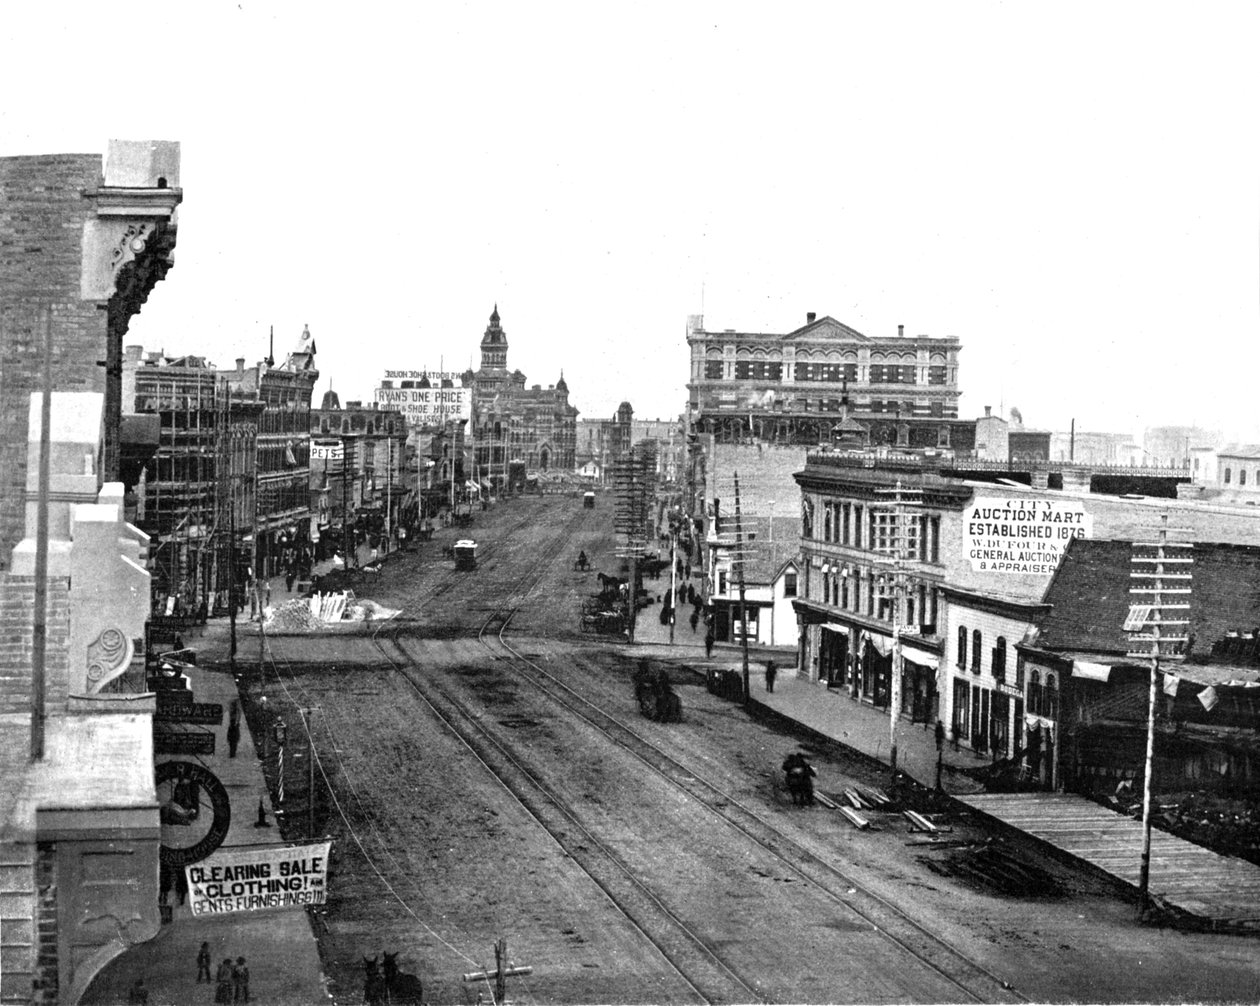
(83,245)
(359,484)
(283,521)
(83,242)
(532,428)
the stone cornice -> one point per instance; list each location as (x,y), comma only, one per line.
(114,201)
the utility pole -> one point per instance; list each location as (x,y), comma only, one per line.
(39,639)
(673,578)
(310,777)
(895,534)
(345,501)
(739,569)
(502,971)
(232,567)
(1145,625)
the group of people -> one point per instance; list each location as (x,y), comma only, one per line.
(231,980)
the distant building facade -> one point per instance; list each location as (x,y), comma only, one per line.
(793,387)
(533,428)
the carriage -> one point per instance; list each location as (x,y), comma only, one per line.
(588,500)
(465,554)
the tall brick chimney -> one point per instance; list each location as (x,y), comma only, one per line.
(901,331)
(809,317)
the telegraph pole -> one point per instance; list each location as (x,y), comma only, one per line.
(502,971)
(897,541)
(739,570)
(1145,625)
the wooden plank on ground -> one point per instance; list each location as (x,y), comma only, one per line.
(856,819)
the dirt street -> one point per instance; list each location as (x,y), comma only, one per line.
(485,772)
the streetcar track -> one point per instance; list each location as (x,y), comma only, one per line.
(695,960)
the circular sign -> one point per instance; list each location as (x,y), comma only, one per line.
(195,812)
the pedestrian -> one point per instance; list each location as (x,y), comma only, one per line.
(223,982)
(240,981)
(771,672)
(181,884)
(165,881)
(234,730)
(708,642)
(138,995)
(203,963)
(290,575)
(940,735)
(695,618)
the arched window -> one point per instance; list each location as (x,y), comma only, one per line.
(977,641)
(962,646)
(1034,692)
(1052,698)
(1242,476)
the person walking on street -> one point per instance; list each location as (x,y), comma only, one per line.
(203,964)
(223,982)
(771,672)
(234,728)
(695,618)
(708,642)
(240,981)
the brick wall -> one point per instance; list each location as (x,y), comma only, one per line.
(42,212)
(17,602)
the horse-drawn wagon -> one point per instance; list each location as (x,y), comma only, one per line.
(465,554)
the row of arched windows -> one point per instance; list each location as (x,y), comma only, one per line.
(1242,476)
(997,659)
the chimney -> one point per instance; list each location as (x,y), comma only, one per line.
(987,411)
(240,366)
(901,331)
(809,317)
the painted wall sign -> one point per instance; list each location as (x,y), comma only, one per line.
(250,880)
(1028,536)
(326,450)
(208,714)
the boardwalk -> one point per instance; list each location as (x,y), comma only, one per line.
(1221,890)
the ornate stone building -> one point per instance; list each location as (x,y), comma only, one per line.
(793,387)
(82,244)
(530,430)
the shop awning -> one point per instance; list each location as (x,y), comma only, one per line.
(1090,670)
(834,627)
(881,643)
(923,658)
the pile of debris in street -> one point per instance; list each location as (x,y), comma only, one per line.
(320,611)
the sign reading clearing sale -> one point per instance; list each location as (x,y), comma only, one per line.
(1022,535)
(254,879)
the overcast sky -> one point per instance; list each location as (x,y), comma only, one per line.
(1071,189)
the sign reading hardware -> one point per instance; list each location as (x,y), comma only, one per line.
(207,714)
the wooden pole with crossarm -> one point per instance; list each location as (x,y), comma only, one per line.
(500,974)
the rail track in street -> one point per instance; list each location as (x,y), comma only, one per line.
(704,966)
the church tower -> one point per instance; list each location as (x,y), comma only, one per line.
(494,345)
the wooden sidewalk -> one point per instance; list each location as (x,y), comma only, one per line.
(1221,891)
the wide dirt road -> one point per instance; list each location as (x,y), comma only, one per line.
(486,788)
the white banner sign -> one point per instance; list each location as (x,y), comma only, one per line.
(249,880)
(433,376)
(1022,535)
(326,450)
(427,406)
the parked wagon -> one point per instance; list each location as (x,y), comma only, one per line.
(588,500)
(465,554)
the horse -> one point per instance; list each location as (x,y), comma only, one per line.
(375,988)
(400,986)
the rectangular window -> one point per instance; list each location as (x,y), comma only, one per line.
(962,703)
(789,584)
(845,510)
(937,375)
(713,370)
(758,370)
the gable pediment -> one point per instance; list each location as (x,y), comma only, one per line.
(827,329)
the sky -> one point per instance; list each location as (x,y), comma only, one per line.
(1072,189)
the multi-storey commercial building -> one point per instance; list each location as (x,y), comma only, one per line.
(872,560)
(793,387)
(602,442)
(282,526)
(82,245)
(358,479)
(533,429)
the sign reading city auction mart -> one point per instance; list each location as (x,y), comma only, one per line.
(427,406)
(249,880)
(1014,535)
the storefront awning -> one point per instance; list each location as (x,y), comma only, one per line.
(923,658)
(833,627)
(1090,670)
(883,644)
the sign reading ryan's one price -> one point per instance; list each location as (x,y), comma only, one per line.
(1022,535)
